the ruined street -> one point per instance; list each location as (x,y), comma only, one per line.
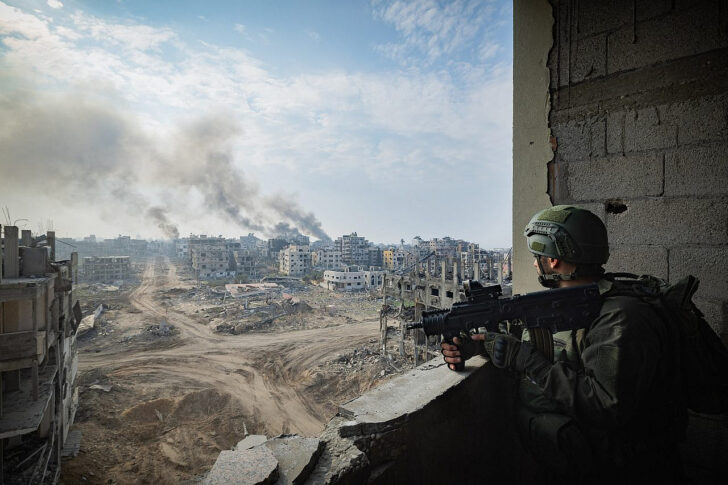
(163,391)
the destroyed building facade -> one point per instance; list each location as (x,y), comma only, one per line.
(38,357)
(295,260)
(106,269)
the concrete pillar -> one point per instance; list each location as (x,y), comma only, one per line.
(2,256)
(51,238)
(26,238)
(476,271)
(12,265)
(443,271)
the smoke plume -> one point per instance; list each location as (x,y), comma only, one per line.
(99,153)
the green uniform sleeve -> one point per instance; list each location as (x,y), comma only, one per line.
(621,357)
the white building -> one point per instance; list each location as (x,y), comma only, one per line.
(352,280)
(295,260)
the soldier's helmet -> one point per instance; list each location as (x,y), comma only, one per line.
(568,233)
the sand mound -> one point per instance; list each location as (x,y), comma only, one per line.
(149,412)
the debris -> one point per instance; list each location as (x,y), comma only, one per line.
(100,387)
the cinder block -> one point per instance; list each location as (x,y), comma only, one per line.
(629,176)
(664,38)
(650,260)
(599,16)
(697,170)
(615,132)
(644,130)
(590,59)
(670,222)
(598,139)
(706,263)
(698,120)
(580,139)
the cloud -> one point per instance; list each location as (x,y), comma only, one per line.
(55,4)
(183,116)
(435,30)
(314,35)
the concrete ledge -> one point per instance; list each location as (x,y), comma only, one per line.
(423,427)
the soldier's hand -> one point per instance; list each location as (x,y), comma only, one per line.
(501,349)
(460,350)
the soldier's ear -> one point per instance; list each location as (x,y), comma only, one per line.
(554,263)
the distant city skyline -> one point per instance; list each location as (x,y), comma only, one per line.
(323,117)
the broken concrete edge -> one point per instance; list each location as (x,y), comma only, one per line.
(381,415)
(345,448)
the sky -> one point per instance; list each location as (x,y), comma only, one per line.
(391,119)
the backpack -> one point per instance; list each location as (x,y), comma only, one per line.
(703,358)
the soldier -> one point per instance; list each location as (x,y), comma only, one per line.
(608,407)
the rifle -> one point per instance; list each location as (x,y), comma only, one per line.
(554,311)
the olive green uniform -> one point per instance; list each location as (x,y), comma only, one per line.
(608,408)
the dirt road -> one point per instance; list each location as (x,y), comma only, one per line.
(176,402)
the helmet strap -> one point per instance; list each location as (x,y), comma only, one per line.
(551,280)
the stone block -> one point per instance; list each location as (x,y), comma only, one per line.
(599,16)
(629,176)
(250,442)
(670,222)
(698,120)
(590,59)
(644,130)
(296,457)
(579,139)
(248,467)
(598,139)
(615,132)
(697,170)
(639,260)
(707,264)
(673,36)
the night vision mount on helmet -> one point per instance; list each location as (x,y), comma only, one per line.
(570,234)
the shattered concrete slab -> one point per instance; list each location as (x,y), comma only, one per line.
(296,456)
(254,466)
(390,404)
(250,442)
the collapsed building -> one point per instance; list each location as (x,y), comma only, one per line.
(618,107)
(106,269)
(38,358)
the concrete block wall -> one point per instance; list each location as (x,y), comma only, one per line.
(639,111)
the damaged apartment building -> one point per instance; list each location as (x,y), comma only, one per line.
(38,358)
(216,257)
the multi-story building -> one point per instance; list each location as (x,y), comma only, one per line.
(295,260)
(182,248)
(354,249)
(375,257)
(326,258)
(388,258)
(106,269)
(244,261)
(38,357)
(210,257)
(352,280)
